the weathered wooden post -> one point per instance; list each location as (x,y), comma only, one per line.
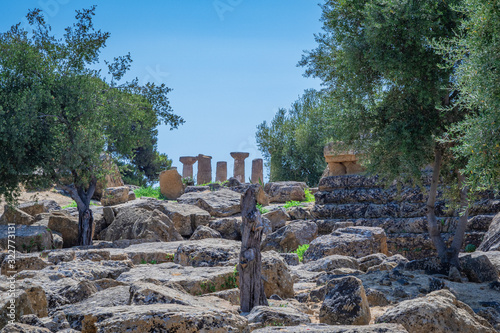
(251,286)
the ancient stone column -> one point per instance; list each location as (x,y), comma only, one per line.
(239,165)
(187,165)
(221,172)
(204,169)
(258,171)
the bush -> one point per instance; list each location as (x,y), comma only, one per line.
(152,192)
(290,204)
(470,248)
(309,196)
(300,251)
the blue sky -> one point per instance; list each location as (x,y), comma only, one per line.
(231,63)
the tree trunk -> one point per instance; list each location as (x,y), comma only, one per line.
(432,224)
(85,225)
(458,238)
(85,215)
(251,286)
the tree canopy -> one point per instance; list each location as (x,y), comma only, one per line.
(58,115)
(393,93)
(292,144)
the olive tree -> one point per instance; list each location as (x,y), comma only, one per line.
(58,114)
(393,92)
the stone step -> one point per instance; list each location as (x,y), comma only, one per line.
(355,181)
(376,195)
(397,210)
(418,246)
(406,225)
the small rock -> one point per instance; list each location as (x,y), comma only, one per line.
(345,303)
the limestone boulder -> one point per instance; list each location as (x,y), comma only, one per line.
(56,257)
(186,218)
(219,203)
(195,280)
(228,227)
(28,299)
(147,252)
(352,241)
(131,196)
(24,328)
(208,253)
(371,260)
(323,328)
(438,311)
(13,215)
(139,223)
(300,212)
(290,237)
(478,267)
(22,262)
(161,318)
(262,316)
(278,218)
(66,225)
(345,303)
(29,238)
(330,263)
(171,185)
(276,275)
(34,208)
(203,232)
(376,297)
(491,241)
(112,196)
(285,191)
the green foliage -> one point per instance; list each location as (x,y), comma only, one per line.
(292,144)
(309,196)
(73,204)
(151,192)
(470,248)
(58,114)
(188,181)
(170,257)
(145,166)
(290,204)
(386,85)
(301,250)
(261,209)
(474,55)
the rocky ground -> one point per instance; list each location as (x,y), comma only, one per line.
(159,266)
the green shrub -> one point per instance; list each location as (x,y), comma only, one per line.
(290,204)
(470,248)
(73,204)
(309,196)
(301,250)
(152,192)
(261,209)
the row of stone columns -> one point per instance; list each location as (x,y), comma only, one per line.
(205,168)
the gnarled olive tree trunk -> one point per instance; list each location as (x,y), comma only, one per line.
(85,216)
(250,266)
(448,256)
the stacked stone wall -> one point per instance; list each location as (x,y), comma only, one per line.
(400,210)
